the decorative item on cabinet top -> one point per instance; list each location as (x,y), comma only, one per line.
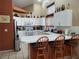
(4,19)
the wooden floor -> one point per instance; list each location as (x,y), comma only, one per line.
(23,54)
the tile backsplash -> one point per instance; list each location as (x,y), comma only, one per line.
(71,28)
(75,29)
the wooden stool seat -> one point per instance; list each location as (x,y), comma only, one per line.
(59,47)
(42,48)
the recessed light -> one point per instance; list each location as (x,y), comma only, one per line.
(39,0)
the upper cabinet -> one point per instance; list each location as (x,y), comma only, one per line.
(62,18)
(50,10)
(39,21)
(30,21)
(49,21)
(42,21)
(19,21)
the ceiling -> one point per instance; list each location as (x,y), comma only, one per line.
(24,3)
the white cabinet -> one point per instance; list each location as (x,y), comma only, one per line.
(67,18)
(36,22)
(51,10)
(39,21)
(49,21)
(33,21)
(63,18)
(30,21)
(19,21)
(42,21)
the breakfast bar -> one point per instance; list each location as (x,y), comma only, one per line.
(32,40)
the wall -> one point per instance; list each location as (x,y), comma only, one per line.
(74,6)
(37,9)
(6,38)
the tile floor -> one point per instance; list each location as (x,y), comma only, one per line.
(23,54)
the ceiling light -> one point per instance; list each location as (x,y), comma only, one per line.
(39,0)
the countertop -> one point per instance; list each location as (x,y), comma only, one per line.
(33,39)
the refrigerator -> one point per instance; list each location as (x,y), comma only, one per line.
(16,36)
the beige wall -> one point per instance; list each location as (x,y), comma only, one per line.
(37,9)
(74,4)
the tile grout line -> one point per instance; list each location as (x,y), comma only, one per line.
(0,56)
(9,55)
(16,55)
(23,55)
(22,52)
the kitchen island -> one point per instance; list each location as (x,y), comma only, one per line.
(31,40)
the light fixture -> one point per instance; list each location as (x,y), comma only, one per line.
(39,0)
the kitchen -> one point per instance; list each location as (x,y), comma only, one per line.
(34,19)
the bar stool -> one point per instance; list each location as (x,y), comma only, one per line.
(59,47)
(73,44)
(42,48)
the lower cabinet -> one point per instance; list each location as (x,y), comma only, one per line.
(2,35)
(67,50)
(33,50)
(1,40)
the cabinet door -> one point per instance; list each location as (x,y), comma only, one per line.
(37,21)
(66,18)
(30,21)
(6,41)
(19,20)
(49,21)
(42,21)
(63,18)
(1,37)
(33,21)
(56,19)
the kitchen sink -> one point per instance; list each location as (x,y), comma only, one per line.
(36,33)
(43,33)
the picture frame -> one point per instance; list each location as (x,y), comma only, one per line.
(4,19)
